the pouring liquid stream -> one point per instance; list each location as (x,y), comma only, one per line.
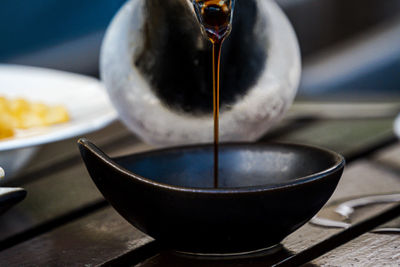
(215,17)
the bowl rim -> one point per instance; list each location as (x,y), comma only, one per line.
(338,159)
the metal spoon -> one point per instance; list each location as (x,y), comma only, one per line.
(346,209)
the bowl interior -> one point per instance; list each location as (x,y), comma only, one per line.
(239,165)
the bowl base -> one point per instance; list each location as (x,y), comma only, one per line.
(231,256)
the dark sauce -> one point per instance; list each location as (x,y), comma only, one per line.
(215,17)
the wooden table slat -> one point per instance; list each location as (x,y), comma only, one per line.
(369,250)
(350,137)
(92,240)
(389,157)
(44,201)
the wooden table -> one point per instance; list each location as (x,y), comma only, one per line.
(64,221)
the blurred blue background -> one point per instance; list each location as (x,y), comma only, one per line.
(350,49)
(55,33)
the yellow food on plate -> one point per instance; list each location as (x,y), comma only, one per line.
(22,114)
(6,129)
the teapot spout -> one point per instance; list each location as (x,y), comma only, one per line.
(215,17)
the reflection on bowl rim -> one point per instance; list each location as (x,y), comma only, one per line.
(339,164)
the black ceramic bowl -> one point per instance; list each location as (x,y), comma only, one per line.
(266,192)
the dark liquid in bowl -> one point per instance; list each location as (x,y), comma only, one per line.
(239,166)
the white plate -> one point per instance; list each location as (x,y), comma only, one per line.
(84,97)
